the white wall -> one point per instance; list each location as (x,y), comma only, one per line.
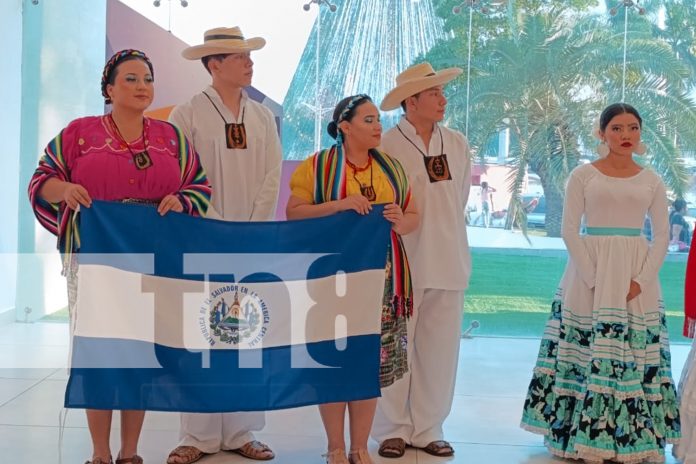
(283,23)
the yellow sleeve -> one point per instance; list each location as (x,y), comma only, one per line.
(302,180)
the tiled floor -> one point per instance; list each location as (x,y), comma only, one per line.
(483,425)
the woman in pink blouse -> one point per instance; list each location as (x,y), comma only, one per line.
(121,156)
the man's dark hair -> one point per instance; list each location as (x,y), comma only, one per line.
(403,103)
(206,59)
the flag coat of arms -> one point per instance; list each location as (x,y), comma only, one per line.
(178,313)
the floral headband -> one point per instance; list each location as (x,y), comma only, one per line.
(352,103)
(114,61)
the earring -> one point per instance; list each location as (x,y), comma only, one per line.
(602,150)
(640,149)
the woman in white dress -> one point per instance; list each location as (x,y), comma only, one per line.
(602,386)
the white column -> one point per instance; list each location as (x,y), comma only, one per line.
(62,56)
(10,95)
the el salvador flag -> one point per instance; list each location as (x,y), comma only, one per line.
(178,313)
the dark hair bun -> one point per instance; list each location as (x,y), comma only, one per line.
(332,129)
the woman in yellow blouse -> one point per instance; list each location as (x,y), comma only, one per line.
(353,175)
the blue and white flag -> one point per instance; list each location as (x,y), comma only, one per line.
(178,313)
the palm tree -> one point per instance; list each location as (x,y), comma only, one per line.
(547,78)
(678,30)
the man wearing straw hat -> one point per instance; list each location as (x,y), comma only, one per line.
(237,141)
(412,410)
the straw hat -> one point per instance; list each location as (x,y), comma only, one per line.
(223,40)
(416,79)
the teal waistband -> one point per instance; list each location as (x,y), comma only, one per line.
(625,231)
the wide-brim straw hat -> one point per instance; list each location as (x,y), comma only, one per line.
(222,40)
(415,79)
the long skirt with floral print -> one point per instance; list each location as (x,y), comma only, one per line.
(602,386)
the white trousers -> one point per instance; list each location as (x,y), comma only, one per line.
(211,433)
(414,407)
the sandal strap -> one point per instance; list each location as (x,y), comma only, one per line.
(363,457)
(255,450)
(392,448)
(337,456)
(393,443)
(257,446)
(190,454)
(135,459)
(439,448)
(439,443)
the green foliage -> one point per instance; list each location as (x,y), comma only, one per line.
(545,69)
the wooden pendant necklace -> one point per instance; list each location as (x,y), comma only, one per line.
(141,159)
(437,167)
(368,191)
(235,134)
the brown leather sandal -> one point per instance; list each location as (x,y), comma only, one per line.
(255,450)
(439,448)
(135,459)
(392,448)
(188,455)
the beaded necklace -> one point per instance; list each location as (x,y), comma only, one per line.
(368,191)
(141,159)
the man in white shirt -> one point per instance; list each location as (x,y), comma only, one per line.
(237,141)
(436,159)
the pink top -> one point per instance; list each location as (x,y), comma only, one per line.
(90,152)
(99,160)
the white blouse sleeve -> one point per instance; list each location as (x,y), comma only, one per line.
(573,211)
(659,219)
